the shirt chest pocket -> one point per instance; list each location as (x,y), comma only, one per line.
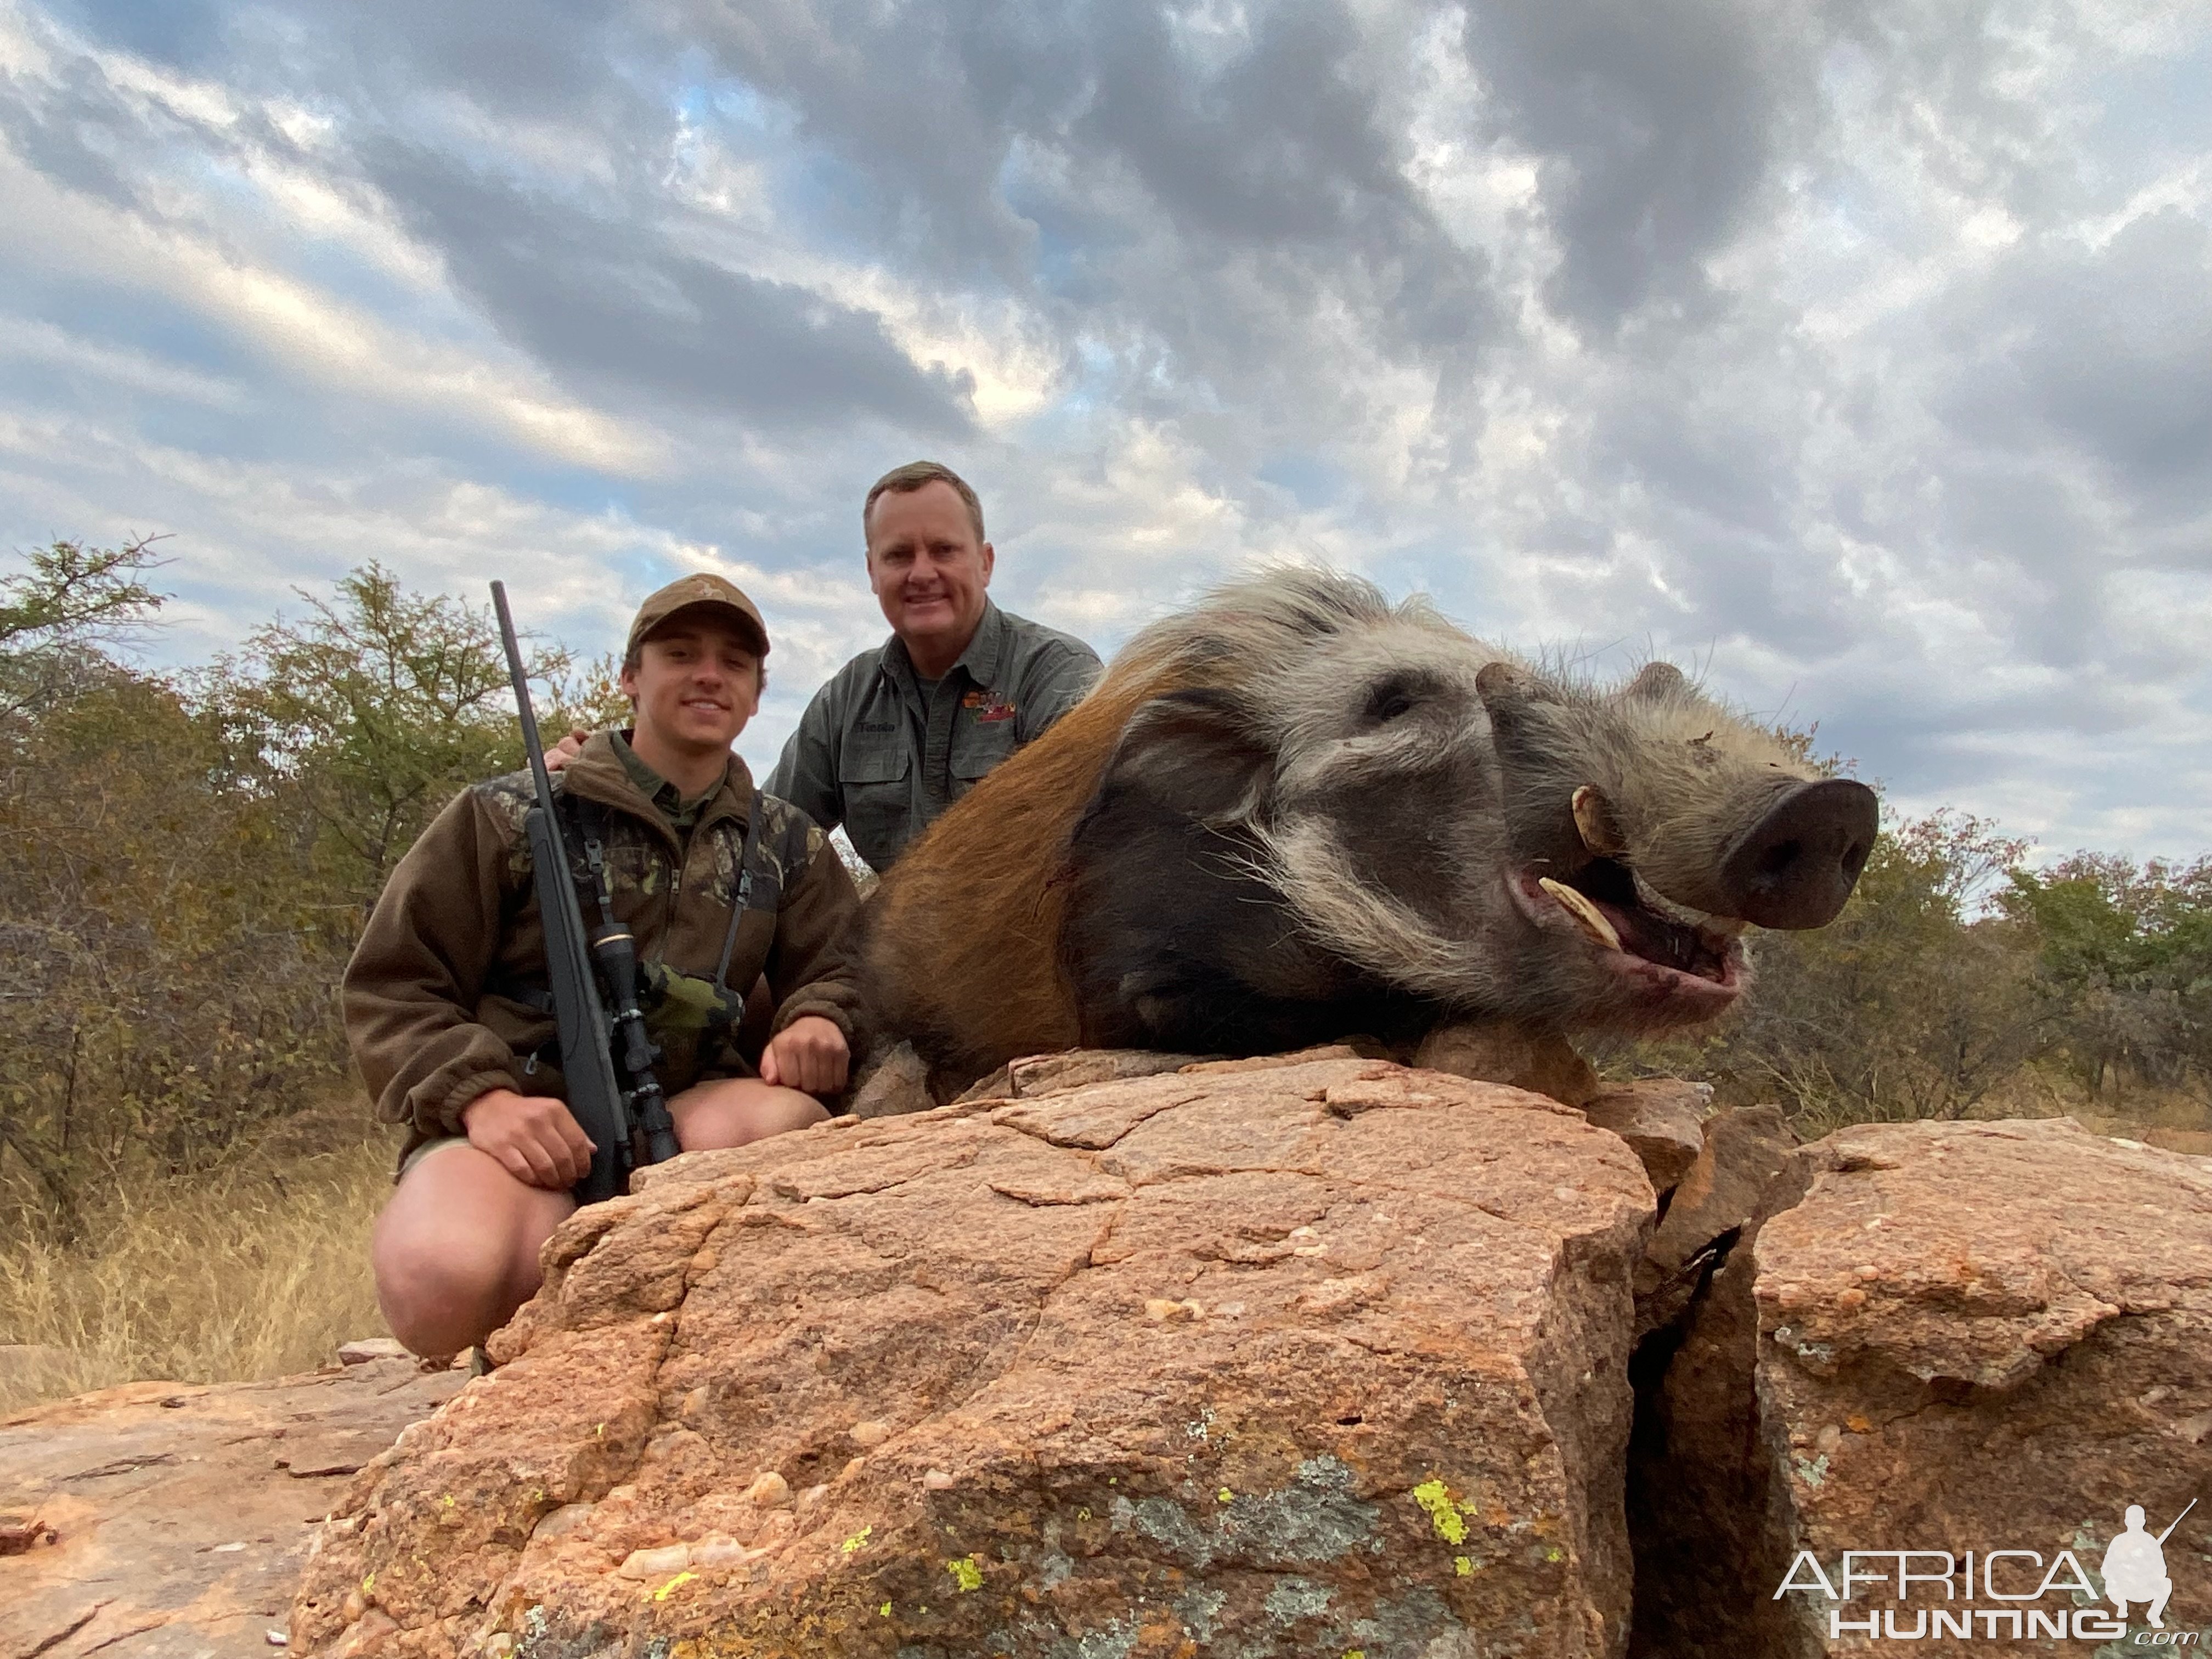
(875,780)
(979,748)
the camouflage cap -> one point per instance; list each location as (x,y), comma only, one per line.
(698,588)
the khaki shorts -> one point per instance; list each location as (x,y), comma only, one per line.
(424,1151)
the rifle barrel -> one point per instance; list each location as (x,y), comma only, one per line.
(2177,1521)
(521,678)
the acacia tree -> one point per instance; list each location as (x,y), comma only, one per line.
(164,983)
(154,983)
(182,858)
(57,612)
(372,711)
(66,607)
(2126,962)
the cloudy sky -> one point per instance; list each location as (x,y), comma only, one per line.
(1859,354)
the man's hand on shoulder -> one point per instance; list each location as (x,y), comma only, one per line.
(532,1136)
(566,750)
(809,1054)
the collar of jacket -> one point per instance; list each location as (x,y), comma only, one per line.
(986,652)
(598,773)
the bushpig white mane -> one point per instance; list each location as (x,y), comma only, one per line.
(1289,642)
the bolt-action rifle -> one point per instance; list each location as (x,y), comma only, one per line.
(595,1040)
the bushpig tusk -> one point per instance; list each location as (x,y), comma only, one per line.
(1590,918)
(1594,822)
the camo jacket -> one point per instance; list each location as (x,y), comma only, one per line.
(438,996)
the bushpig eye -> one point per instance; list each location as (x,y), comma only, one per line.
(1386,701)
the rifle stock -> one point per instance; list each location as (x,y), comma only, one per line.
(595,1098)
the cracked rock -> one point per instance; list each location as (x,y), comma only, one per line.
(1497,1051)
(1661,1118)
(1741,1150)
(1389,1413)
(1944,1336)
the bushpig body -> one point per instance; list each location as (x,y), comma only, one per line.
(1297,811)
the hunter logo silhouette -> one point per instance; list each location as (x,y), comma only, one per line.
(2134,1566)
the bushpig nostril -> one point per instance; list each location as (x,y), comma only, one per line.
(1778,858)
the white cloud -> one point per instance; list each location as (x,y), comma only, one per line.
(1856,356)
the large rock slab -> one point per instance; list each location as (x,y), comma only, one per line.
(1937,1337)
(179,1516)
(1274,1359)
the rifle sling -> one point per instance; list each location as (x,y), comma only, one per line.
(742,897)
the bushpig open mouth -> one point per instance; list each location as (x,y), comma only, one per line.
(1676,956)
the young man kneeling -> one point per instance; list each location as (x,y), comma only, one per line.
(446,999)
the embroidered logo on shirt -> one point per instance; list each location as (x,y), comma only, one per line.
(988,706)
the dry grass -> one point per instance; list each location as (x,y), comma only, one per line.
(257,1269)
(2177,1120)
(2178,1117)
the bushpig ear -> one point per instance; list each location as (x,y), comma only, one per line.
(1654,680)
(1506,683)
(1190,751)
(1510,696)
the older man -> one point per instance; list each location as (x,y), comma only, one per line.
(907,727)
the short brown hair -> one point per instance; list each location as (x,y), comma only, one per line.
(905,480)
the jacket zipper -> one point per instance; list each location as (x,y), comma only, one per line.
(676,865)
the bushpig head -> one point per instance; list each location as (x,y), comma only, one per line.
(1347,815)
(1656,823)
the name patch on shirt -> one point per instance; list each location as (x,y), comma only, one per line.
(988,706)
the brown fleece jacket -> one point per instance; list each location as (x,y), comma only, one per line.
(457,924)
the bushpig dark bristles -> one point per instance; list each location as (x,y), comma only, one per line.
(1296,811)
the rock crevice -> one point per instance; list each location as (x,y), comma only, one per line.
(1931,1336)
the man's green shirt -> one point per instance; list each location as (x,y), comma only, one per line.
(877,753)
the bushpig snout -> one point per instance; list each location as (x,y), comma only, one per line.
(1797,864)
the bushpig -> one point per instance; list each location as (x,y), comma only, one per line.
(1297,811)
